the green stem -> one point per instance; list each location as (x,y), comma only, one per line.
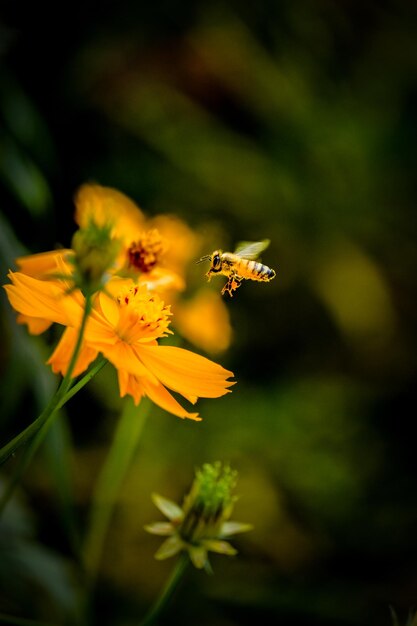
(110,480)
(167,591)
(55,402)
(36,432)
(107,488)
(99,364)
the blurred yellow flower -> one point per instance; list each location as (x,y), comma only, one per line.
(154,251)
(204,321)
(125,324)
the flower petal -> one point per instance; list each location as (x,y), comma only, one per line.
(38,265)
(198,556)
(160,528)
(61,356)
(171,546)
(35,325)
(183,371)
(204,321)
(170,509)
(161,396)
(109,309)
(123,357)
(232,528)
(43,299)
(221,547)
(106,205)
(162,280)
(129,384)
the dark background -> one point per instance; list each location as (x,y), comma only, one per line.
(294,121)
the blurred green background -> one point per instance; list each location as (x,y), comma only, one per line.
(294,121)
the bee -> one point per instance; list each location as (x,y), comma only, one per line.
(239,265)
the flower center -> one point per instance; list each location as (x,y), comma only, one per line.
(146,252)
(143,315)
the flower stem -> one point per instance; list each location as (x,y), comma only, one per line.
(36,432)
(107,488)
(167,591)
(26,434)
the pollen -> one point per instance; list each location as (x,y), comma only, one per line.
(145,253)
(143,315)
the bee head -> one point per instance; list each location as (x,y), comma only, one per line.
(216,261)
(214,258)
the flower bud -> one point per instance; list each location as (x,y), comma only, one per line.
(202,523)
(95,253)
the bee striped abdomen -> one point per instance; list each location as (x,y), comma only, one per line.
(253,270)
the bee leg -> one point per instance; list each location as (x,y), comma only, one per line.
(232,284)
(228,287)
(236,282)
(209,276)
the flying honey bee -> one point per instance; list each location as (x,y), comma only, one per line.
(239,265)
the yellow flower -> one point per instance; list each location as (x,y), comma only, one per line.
(138,258)
(202,523)
(125,325)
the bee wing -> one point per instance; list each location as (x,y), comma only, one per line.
(251,249)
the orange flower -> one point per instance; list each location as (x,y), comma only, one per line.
(128,319)
(125,325)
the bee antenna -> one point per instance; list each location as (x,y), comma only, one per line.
(207,257)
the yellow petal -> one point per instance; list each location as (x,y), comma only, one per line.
(232,528)
(170,509)
(184,243)
(171,546)
(109,309)
(198,556)
(35,325)
(162,280)
(165,529)
(43,299)
(204,321)
(221,547)
(99,333)
(61,356)
(129,385)
(183,371)
(105,205)
(38,265)
(123,357)
(160,396)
